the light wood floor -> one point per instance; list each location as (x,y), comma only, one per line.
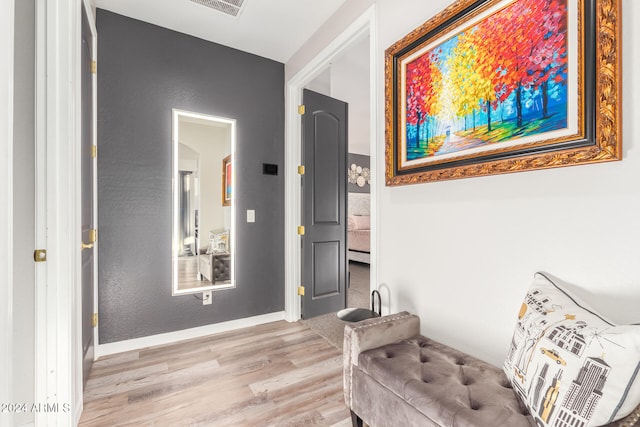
(188,274)
(278,374)
(188,277)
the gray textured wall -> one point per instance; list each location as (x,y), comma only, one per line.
(143,72)
(359,160)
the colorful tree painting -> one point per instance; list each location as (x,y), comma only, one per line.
(503,78)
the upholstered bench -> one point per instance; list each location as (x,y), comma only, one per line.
(214,267)
(393,376)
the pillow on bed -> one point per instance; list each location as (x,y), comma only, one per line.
(359,222)
(569,365)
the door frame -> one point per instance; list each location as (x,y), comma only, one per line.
(94,133)
(58,358)
(6,199)
(363,25)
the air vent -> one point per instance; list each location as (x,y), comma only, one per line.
(229,7)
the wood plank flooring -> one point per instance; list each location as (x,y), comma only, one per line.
(188,277)
(277,374)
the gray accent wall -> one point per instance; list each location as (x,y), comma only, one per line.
(363,161)
(145,71)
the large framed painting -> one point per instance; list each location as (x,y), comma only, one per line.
(497,86)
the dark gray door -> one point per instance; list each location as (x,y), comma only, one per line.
(324,194)
(88,233)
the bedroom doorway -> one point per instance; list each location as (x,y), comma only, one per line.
(362,28)
(347,78)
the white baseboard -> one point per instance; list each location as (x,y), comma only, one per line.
(79,408)
(186,334)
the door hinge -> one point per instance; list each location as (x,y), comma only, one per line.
(301,109)
(94,320)
(301,230)
(94,151)
(40,255)
(93,235)
(301,291)
(301,170)
(94,67)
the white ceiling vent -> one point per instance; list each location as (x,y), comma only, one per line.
(229,7)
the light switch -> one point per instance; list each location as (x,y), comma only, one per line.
(251,215)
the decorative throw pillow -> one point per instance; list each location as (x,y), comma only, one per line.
(218,242)
(569,365)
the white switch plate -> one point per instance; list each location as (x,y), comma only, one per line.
(207,297)
(251,215)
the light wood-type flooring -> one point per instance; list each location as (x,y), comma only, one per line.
(188,277)
(277,374)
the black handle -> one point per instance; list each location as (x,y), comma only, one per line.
(374,293)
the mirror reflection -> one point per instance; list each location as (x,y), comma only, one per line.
(203,218)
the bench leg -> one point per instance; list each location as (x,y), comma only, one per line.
(356,421)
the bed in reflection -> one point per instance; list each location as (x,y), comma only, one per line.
(359,227)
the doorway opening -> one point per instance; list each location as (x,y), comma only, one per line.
(352,53)
(346,79)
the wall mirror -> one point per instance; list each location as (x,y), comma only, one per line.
(203,207)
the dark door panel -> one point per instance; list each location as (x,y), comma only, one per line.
(326,273)
(324,194)
(326,162)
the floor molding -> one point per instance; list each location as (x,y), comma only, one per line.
(185,334)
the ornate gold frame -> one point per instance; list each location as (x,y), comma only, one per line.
(602,136)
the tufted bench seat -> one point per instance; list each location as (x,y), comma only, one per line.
(215,267)
(393,376)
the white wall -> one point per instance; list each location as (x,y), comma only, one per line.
(462,253)
(347,79)
(322,83)
(24,208)
(350,83)
(348,75)
(6,200)
(335,25)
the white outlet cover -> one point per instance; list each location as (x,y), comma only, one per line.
(207,297)
(251,215)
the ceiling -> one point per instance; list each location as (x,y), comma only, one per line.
(273,29)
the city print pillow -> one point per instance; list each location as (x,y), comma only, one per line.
(569,365)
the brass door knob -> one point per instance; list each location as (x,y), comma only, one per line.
(86,245)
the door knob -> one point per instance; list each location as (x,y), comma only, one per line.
(86,245)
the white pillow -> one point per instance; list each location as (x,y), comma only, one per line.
(569,365)
(218,242)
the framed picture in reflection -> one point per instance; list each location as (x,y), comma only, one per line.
(227,181)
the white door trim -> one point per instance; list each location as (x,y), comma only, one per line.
(293,196)
(94,83)
(58,367)
(7,15)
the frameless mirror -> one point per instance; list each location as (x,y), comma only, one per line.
(203,208)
